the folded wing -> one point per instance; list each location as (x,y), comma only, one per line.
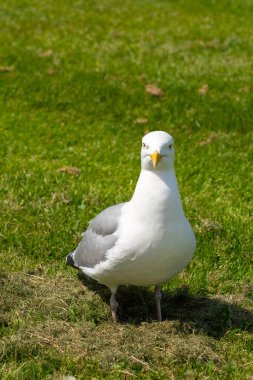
(97,239)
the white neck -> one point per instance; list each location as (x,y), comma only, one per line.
(157,190)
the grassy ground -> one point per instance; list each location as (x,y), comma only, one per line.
(73,77)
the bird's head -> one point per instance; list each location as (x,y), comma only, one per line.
(157,152)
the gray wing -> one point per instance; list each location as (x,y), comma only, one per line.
(97,239)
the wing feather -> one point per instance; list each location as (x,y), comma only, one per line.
(97,239)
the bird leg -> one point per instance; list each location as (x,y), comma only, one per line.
(113,304)
(158,297)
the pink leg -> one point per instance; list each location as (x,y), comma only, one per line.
(158,297)
(113,305)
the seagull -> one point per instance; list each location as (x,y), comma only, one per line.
(143,242)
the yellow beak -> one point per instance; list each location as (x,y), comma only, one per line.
(156,158)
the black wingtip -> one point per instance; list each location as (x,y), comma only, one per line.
(70,261)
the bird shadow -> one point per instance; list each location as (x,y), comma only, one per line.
(200,314)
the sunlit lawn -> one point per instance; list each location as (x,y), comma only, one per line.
(73,77)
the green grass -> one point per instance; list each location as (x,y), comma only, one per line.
(72,80)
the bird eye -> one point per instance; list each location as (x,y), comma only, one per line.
(145,146)
(170,146)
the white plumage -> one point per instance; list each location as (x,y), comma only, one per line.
(147,240)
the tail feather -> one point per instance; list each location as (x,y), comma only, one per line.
(70,261)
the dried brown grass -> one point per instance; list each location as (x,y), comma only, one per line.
(61,314)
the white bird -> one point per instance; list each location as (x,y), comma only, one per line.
(145,241)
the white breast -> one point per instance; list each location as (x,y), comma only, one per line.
(155,240)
